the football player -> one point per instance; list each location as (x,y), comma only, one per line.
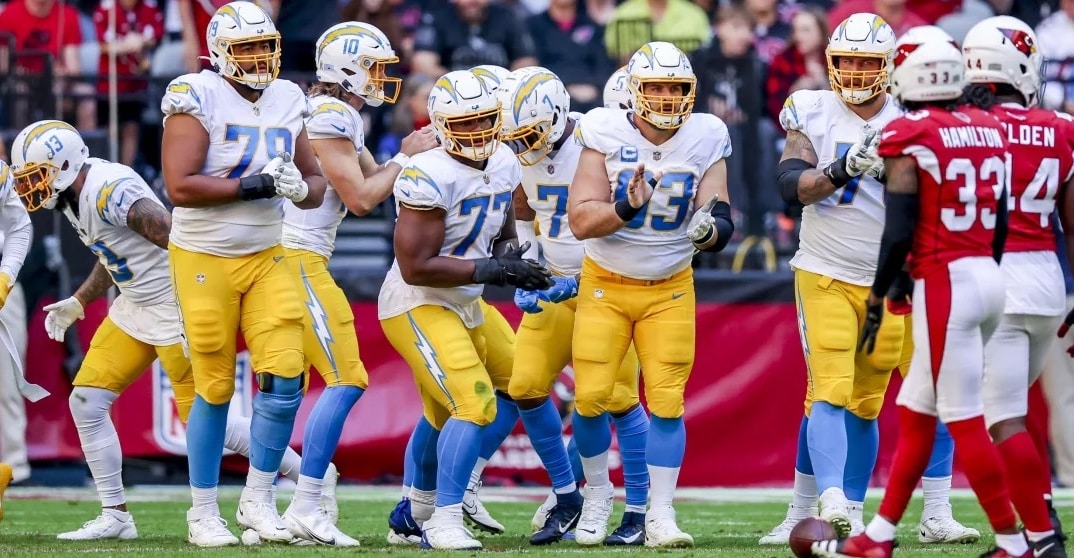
(120,220)
(830,166)
(946,203)
(352,60)
(454,234)
(234,150)
(668,179)
(1001,53)
(491,74)
(616,94)
(539,129)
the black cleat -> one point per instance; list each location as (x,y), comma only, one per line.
(1049,547)
(561,519)
(631,532)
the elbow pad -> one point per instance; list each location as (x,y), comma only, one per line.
(787,175)
(724,225)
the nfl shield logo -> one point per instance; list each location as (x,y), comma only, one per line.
(485,178)
(551,169)
(656,155)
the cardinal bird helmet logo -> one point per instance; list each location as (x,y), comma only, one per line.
(1021,40)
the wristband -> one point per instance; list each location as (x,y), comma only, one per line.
(257,187)
(625,211)
(401,159)
(837,172)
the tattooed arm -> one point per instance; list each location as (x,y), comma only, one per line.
(813,185)
(149,219)
(94,286)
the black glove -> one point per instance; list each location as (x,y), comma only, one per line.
(874,313)
(257,187)
(837,172)
(900,294)
(511,269)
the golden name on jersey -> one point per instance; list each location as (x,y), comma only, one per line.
(1024,134)
(970,136)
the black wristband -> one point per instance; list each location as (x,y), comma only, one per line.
(488,271)
(257,187)
(625,211)
(837,172)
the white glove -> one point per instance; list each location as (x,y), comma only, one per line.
(289,183)
(61,315)
(701,224)
(862,157)
(273,167)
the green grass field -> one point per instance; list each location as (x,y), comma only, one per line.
(723,523)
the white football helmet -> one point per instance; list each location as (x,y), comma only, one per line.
(927,68)
(356,56)
(861,35)
(491,74)
(616,93)
(242,23)
(660,62)
(1003,49)
(46,158)
(533,108)
(465,115)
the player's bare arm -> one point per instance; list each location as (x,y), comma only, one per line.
(94,287)
(419,234)
(521,204)
(359,181)
(184,147)
(149,219)
(306,161)
(712,192)
(508,238)
(901,218)
(797,172)
(590,211)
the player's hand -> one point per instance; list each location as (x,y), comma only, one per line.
(874,313)
(862,157)
(418,141)
(639,190)
(6,283)
(900,295)
(699,231)
(289,183)
(1065,327)
(61,315)
(512,269)
(563,288)
(528,301)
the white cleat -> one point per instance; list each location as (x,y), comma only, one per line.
(317,528)
(475,511)
(328,494)
(399,539)
(206,528)
(446,531)
(263,518)
(835,509)
(662,531)
(596,512)
(943,528)
(781,534)
(857,519)
(104,526)
(541,515)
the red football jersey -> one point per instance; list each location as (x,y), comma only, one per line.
(1040,160)
(961,172)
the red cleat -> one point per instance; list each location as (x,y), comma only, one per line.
(858,546)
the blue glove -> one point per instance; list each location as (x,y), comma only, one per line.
(527,301)
(563,288)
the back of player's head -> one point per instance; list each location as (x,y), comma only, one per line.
(928,69)
(1003,50)
(491,74)
(46,158)
(661,64)
(616,93)
(866,38)
(533,108)
(356,56)
(465,115)
(244,45)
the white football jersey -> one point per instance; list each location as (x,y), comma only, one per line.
(243,138)
(315,229)
(138,267)
(653,245)
(546,185)
(840,235)
(477,203)
(13,216)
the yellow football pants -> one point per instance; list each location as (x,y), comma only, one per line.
(217,296)
(115,360)
(330,342)
(544,349)
(448,362)
(831,314)
(658,316)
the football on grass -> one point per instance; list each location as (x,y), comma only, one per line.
(807,532)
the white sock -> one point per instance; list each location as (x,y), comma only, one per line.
(454,511)
(596,470)
(307,494)
(100,442)
(291,465)
(880,530)
(422,503)
(475,475)
(204,497)
(857,510)
(1015,544)
(406,492)
(635,509)
(937,496)
(805,490)
(565,489)
(258,485)
(662,483)
(120,515)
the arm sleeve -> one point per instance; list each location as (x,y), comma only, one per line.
(114,199)
(18,232)
(895,243)
(415,188)
(183,97)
